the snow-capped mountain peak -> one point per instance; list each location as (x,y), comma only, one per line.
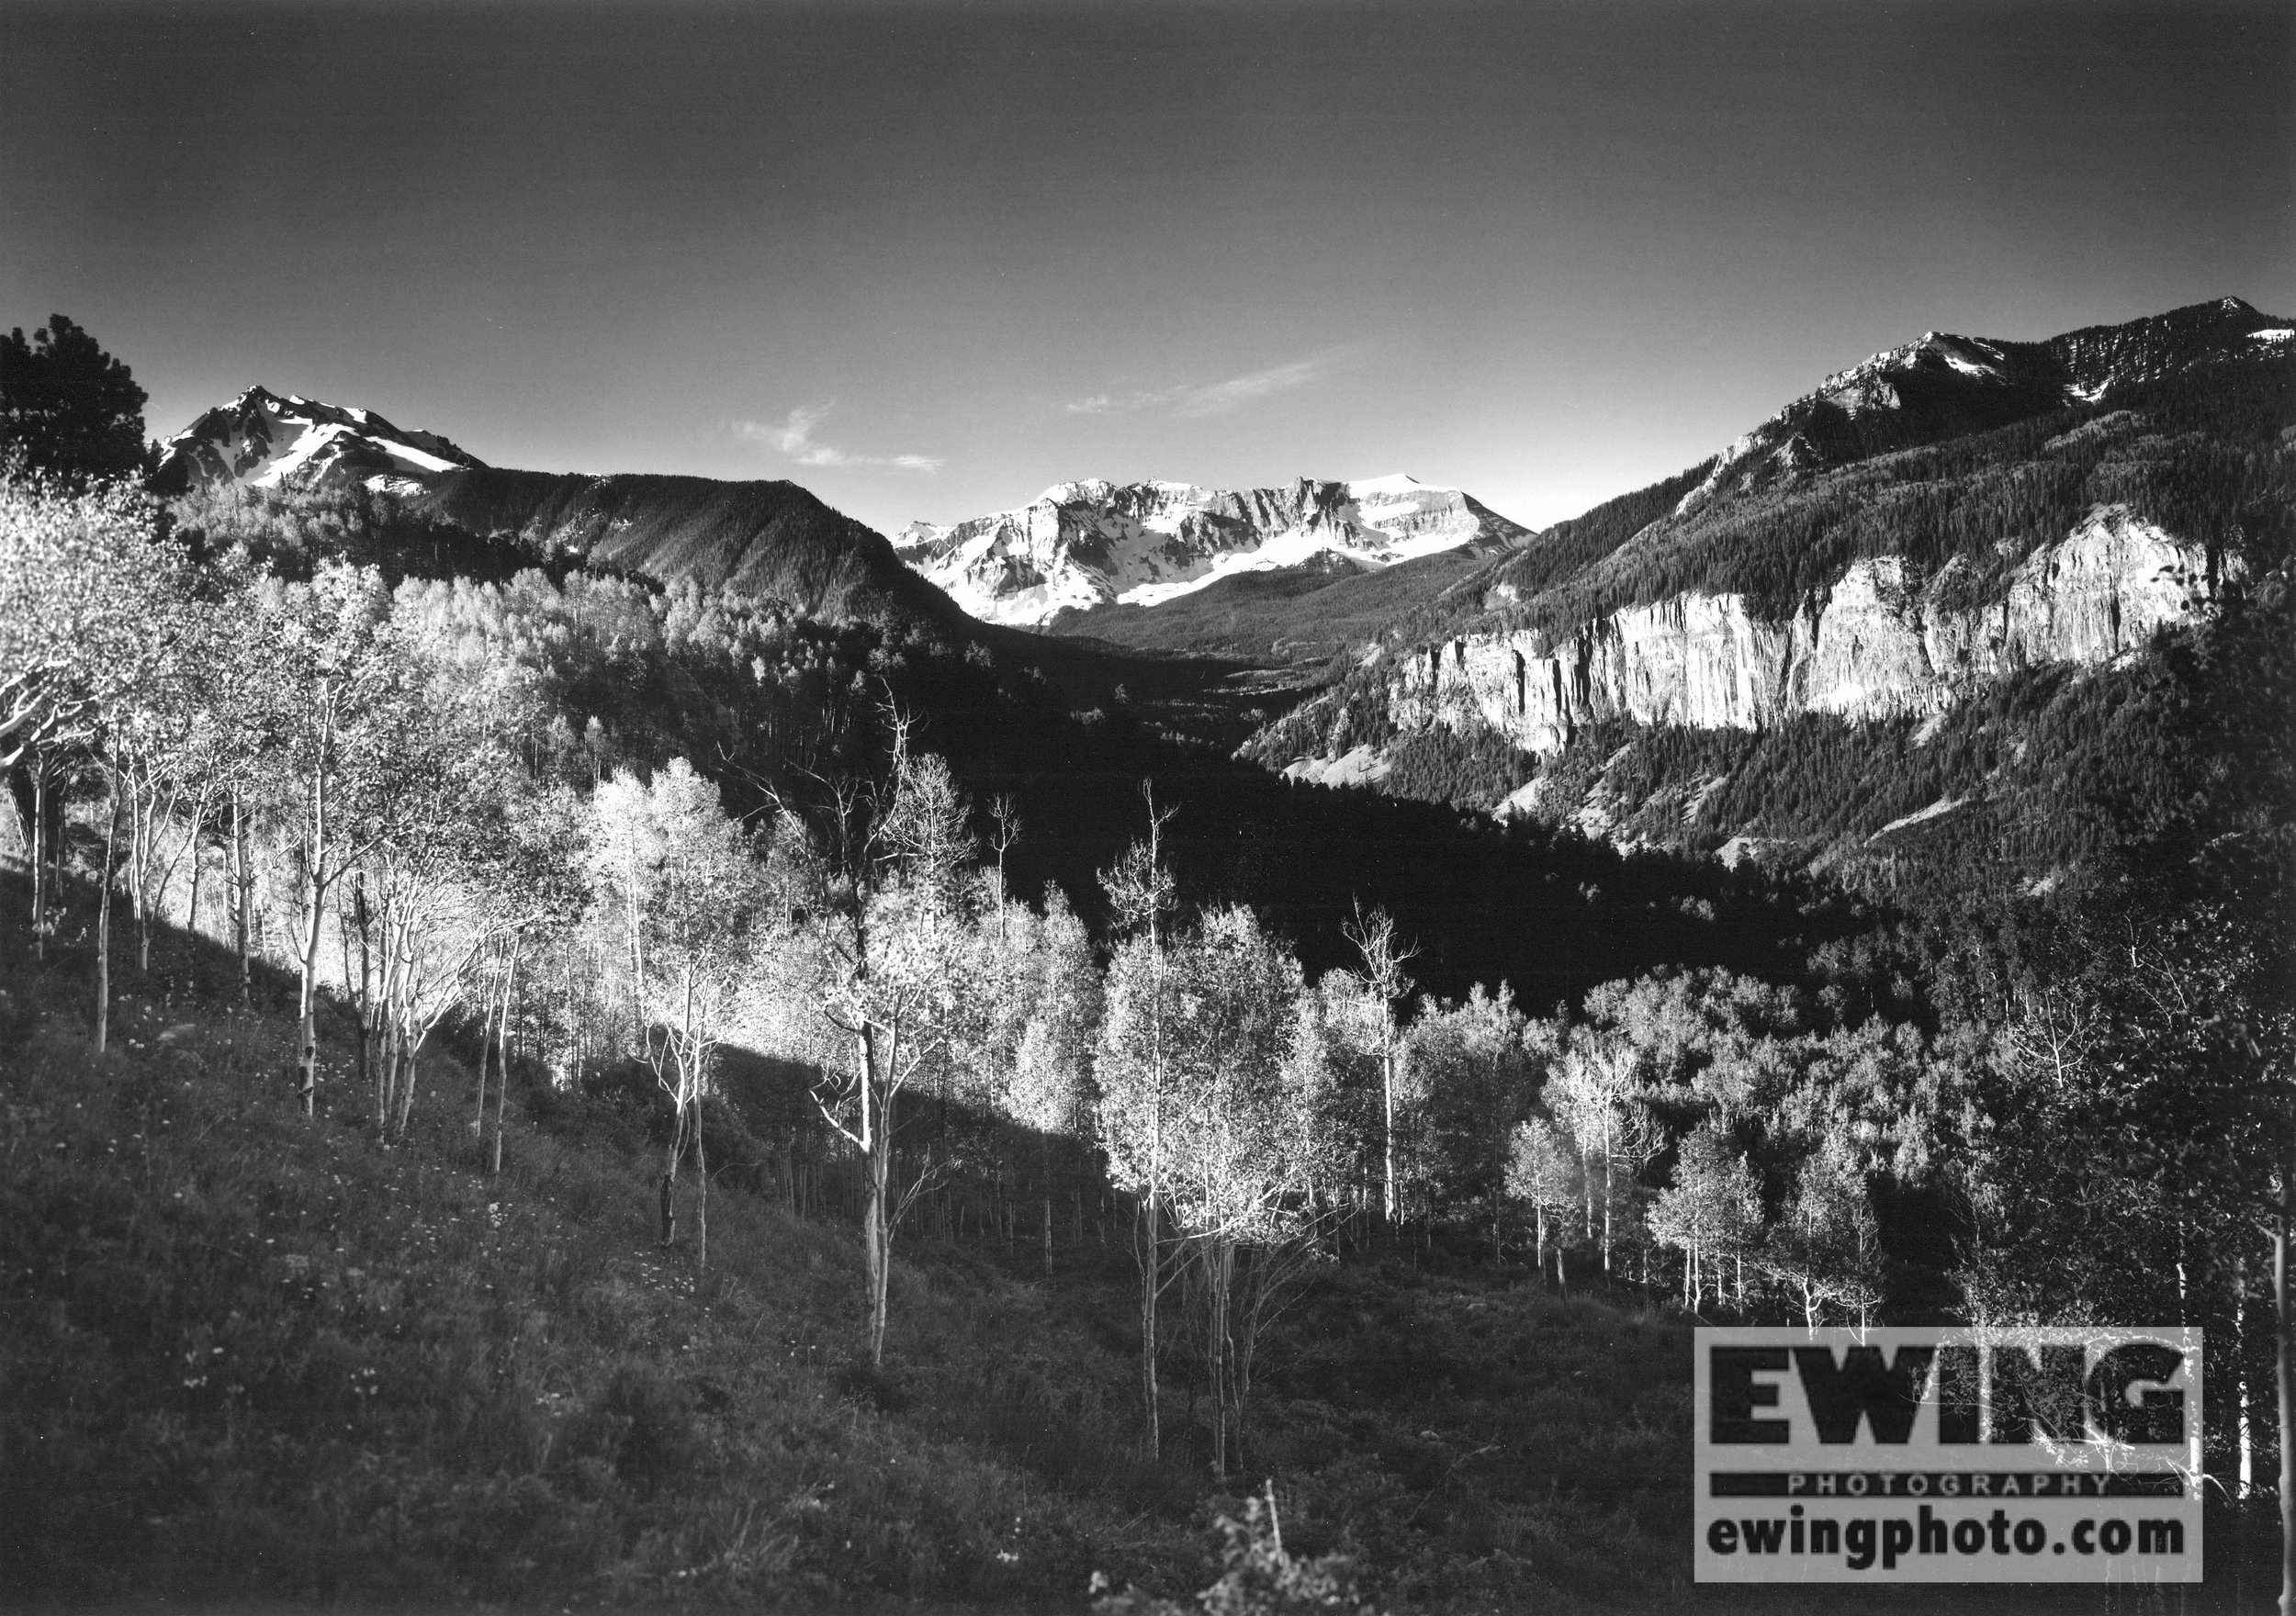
(1091,542)
(267,440)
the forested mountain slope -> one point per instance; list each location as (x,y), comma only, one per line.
(1295,619)
(770,539)
(1948,517)
(622,671)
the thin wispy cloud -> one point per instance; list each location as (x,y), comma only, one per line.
(794,437)
(1196,399)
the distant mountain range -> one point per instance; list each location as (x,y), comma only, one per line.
(1919,530)
(1080,545)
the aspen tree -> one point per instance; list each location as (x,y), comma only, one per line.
(878,892)
(665,856)
(333,672)
(1383,957)
(1131,1063)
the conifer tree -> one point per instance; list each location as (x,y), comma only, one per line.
(67,408)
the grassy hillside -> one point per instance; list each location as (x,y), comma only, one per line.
(247,1356)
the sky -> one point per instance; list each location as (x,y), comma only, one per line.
(928,258)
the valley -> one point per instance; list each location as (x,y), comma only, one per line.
(626,1037)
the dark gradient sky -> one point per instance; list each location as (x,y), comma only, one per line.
(1545,251)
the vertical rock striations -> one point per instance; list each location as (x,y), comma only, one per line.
(1878,642)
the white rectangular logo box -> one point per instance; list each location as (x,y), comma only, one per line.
(1906,1455)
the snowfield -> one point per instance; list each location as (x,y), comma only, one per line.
(1092,543)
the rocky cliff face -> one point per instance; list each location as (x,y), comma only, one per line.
(1878,642)
(1082,545)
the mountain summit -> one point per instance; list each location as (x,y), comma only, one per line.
(764,539)
(269,442)
(1943,386)
(1081,544)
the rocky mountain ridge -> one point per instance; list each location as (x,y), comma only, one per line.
(1922,529)
(266,441)
(1089,544)
(768,539)
(1942,386)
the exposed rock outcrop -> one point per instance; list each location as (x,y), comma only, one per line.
(1878,642)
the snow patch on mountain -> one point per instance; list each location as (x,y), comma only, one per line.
(265,441)
(1088,543)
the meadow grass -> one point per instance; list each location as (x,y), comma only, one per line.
(245,1355)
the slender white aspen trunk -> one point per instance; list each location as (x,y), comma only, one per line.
(486,1031)
(502,1078)
(40,849)
(244,884)
(1218,1258)
(1609,1192)
(2284,1382)
(139,865)
(670,1178)
(191,899)
(690,1080)
(314,906)
(876,1147)
(1150,1231)
(2247,1475)
(407,1075)
(104,919)
(1387,1089)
